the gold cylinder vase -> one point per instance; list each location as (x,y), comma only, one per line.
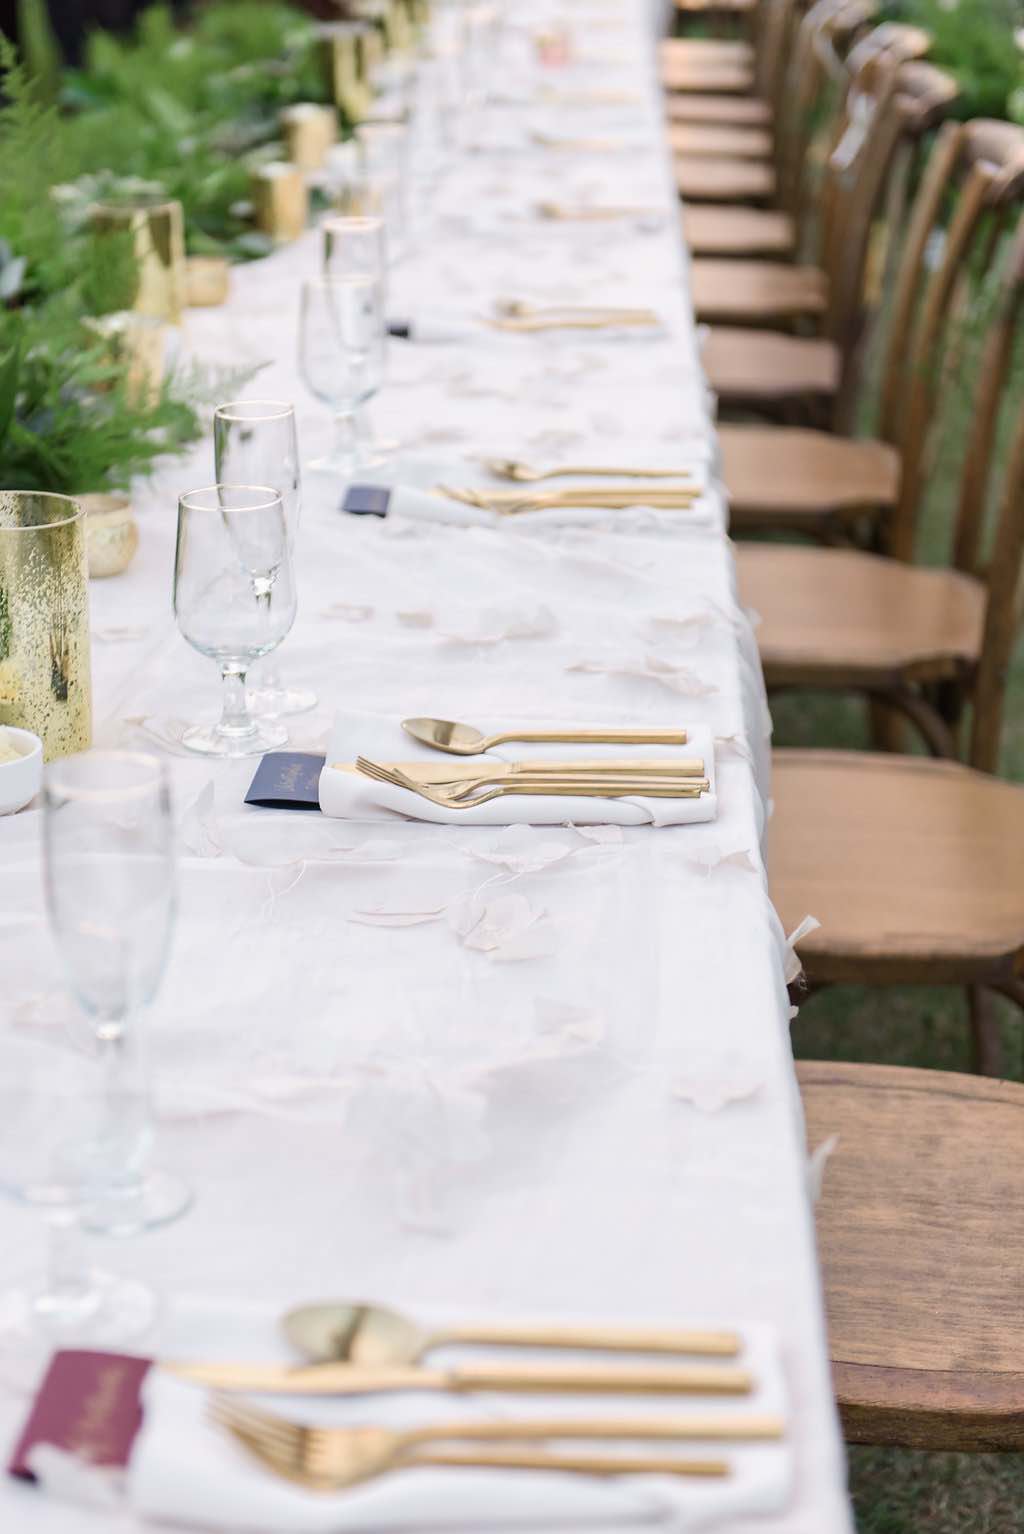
(342,52)
(158,231)
(281,200)
(44,620)
(309,131)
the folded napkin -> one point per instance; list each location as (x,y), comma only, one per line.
(352,796)
(185,1470)
(424,506)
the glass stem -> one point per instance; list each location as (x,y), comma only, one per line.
(235,719)
(68,1294)
(346,439)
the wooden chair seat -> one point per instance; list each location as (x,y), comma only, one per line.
(699,52)
(727,140)
(698,107)
(709,178)
(710,7)
(842,618)
(792,477)
(912,866)
(760,367)
(921,1254)
(707,76)
(750,292)
(712,231)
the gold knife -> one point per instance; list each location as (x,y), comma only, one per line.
(457,772)
(353,1379)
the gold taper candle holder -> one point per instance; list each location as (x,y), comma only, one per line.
(281,200)
(309,131)
(207,281)
(44,620)
(343,57)
(111,534)
(158,231)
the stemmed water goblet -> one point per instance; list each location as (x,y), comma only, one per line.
(255,442)
(234,600)
(342,334)
(76,1121)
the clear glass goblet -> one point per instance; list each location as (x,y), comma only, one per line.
(342,334)
(255,442)
(76,1120)
(234,600)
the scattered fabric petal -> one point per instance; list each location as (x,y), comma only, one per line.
(568,1021)
(493,625)
(351,612)
(606,835)
(816,1164)
(413,619)
(522,850)
(793,967)
(714,1089)
(380,918)
(503,928)
(200,831)
(710,855)
(651,668)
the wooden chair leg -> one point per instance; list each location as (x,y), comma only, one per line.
(986,1036)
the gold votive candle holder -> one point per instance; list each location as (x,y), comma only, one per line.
(343,58)
(158,233)
(281,200)
(111,534)
(45,683)
(207,281)
(309,131)
(136,342)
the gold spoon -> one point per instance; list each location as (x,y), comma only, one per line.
(465,740)
(375,1336)
(526,474)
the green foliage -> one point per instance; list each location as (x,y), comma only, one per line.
(974,40)
(42,54)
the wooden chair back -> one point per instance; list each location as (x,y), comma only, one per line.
(981,163)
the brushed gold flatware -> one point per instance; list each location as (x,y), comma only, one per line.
(530,324)
(468,775)
(344,1379)
(585,788)
(459,739)
(578,145)
(330,1458)
(527,474)
(376,1334)
(521,309)
(510,503)
(560,212)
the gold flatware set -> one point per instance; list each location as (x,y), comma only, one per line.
(560,212)
(528,474)
(510,503)
(583,779)
(577,145)
(371,1349)
(514,315)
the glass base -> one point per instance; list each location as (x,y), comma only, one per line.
(211,740)
(105,1311)
(271,701)
(156,1199)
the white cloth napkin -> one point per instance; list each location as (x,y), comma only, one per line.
(352,796)
(186,1470)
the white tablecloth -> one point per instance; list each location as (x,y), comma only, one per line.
(594,1112)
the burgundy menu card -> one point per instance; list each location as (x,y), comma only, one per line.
(87,1404)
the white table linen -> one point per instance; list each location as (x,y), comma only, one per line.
(604,1122)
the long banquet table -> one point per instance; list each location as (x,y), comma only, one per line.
(607,1125)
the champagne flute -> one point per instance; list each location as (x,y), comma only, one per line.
(356,246)
(342,334)
(254,443)
(234,600)
(76,1123)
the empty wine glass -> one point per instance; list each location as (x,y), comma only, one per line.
(341,355)
(76,1122)
(234,600)
(255,443)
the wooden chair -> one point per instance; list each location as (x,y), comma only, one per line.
(914,867)
(891,106)
(838,490)
(921,1254)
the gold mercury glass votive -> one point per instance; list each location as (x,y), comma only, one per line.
(207,281)
(158,230)
(281,200)
(343,57)
(44,620)
(136,341)
(309,131)
(111,534)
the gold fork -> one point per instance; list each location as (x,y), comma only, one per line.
(526,474)
(508,503)
(329,1459)
(589,788)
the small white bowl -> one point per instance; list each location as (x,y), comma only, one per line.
(21,779)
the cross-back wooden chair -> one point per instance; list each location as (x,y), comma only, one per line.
(843,491)
(710,67)
(913,866)
(886,107)
(921,1256)
(910,638)
(716,177)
